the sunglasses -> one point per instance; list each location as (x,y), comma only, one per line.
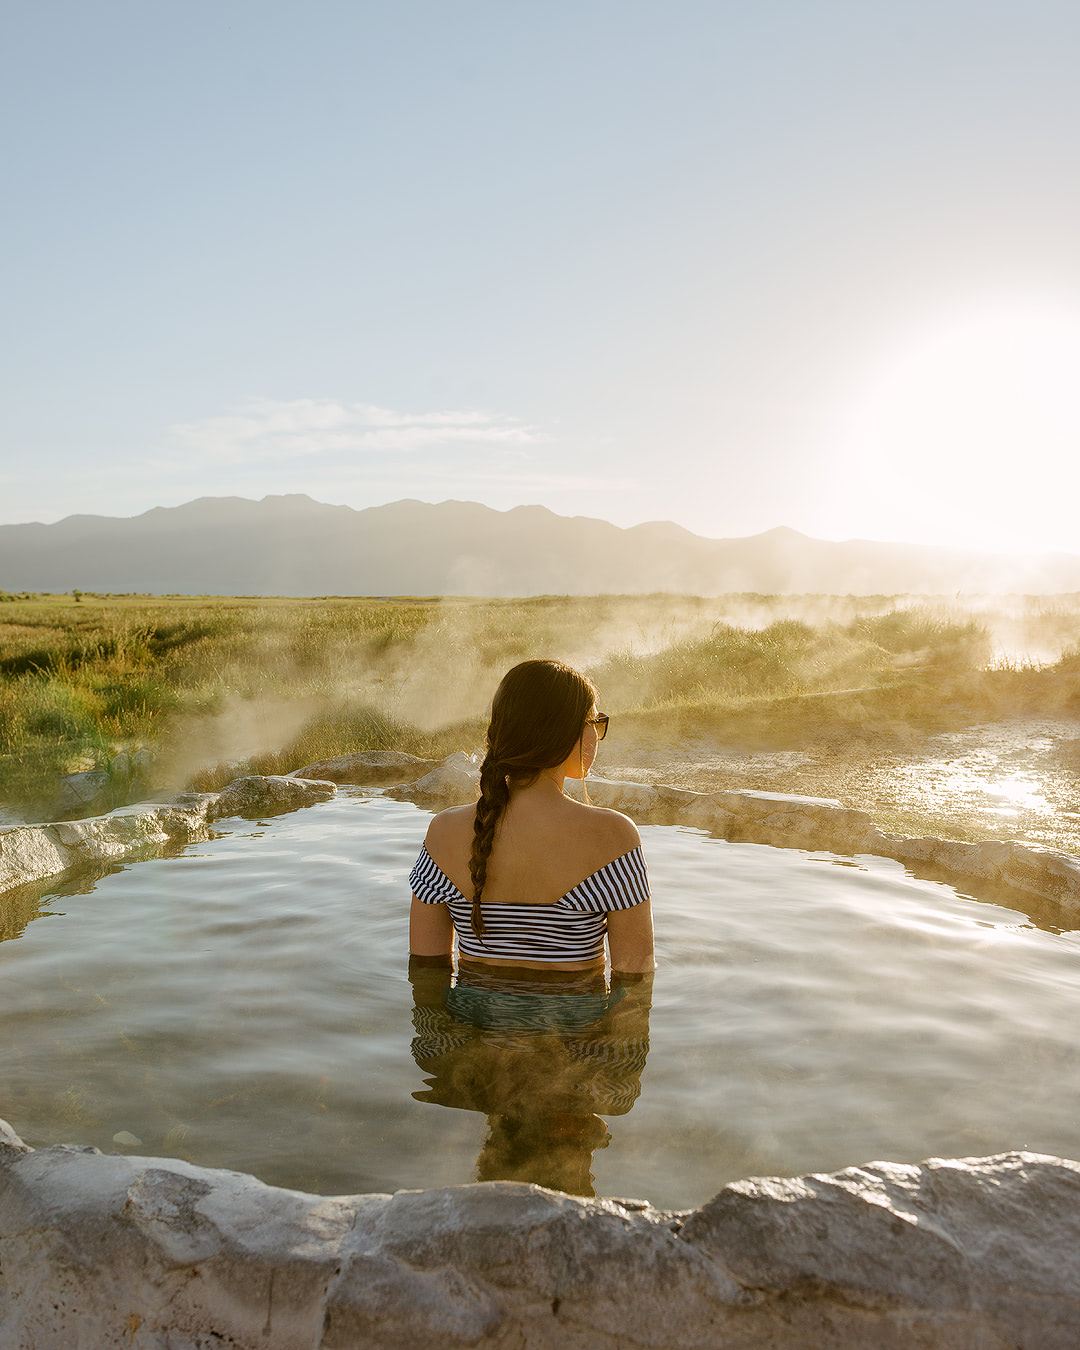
(600,722)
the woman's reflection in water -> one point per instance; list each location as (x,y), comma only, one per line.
(543,1054)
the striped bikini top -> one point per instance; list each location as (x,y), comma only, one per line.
(571,929)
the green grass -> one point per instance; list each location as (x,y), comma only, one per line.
(211,685)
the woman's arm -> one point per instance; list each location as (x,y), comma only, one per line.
(430,978)
(630,938)
(431,930)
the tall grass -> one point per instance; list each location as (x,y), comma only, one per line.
(210,684)
(791,657)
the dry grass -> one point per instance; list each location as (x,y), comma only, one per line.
(212,685)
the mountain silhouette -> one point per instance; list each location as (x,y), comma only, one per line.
(293,545)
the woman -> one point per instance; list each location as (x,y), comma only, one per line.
(530,878)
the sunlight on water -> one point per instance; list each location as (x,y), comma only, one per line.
(1020,791)
(249,1004)
(1004,796)
(988,779)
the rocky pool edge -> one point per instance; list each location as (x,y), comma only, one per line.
(153,1253)
(33,853)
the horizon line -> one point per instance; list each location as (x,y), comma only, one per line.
(780,529)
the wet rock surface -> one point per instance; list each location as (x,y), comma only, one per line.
(453,782)
(108,1251)
(269,794)
(370,768)
(1016,778)
(30,853)
(81,791)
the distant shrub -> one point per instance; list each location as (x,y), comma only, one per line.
(935,640)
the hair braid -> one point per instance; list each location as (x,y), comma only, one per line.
(494,797)
(537,717)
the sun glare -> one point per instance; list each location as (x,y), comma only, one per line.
(969,435)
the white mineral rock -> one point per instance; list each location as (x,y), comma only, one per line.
(259,795)
(31,852)
(454,782)
(108,1251)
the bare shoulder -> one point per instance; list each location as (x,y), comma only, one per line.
(450,827)
(618,831)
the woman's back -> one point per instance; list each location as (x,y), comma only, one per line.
(543,847)
(571,875)
(552,875)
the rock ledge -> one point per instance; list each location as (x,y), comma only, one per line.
(30,853)
(150,1253)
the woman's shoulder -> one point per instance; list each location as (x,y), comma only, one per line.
(450,827)
(617,831)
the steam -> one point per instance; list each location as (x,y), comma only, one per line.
(432,666)
(233,734)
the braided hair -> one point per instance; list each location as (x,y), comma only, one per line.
(537,717)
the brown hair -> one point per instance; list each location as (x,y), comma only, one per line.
(537,717)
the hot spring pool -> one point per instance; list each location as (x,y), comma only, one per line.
(246,1004)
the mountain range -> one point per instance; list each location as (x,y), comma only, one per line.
(293,545)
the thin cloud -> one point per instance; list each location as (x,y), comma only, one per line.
(266,429)
(350,453)
(514,489)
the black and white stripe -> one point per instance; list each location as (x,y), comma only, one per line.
(571,929)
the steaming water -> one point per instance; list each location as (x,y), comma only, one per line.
(246,1004)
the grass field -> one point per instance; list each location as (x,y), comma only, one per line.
(212,686)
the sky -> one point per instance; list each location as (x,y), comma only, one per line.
(737,266)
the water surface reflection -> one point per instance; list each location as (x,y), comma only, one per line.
(244,1005)
(544,1055)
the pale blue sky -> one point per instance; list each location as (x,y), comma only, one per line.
(733,265)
